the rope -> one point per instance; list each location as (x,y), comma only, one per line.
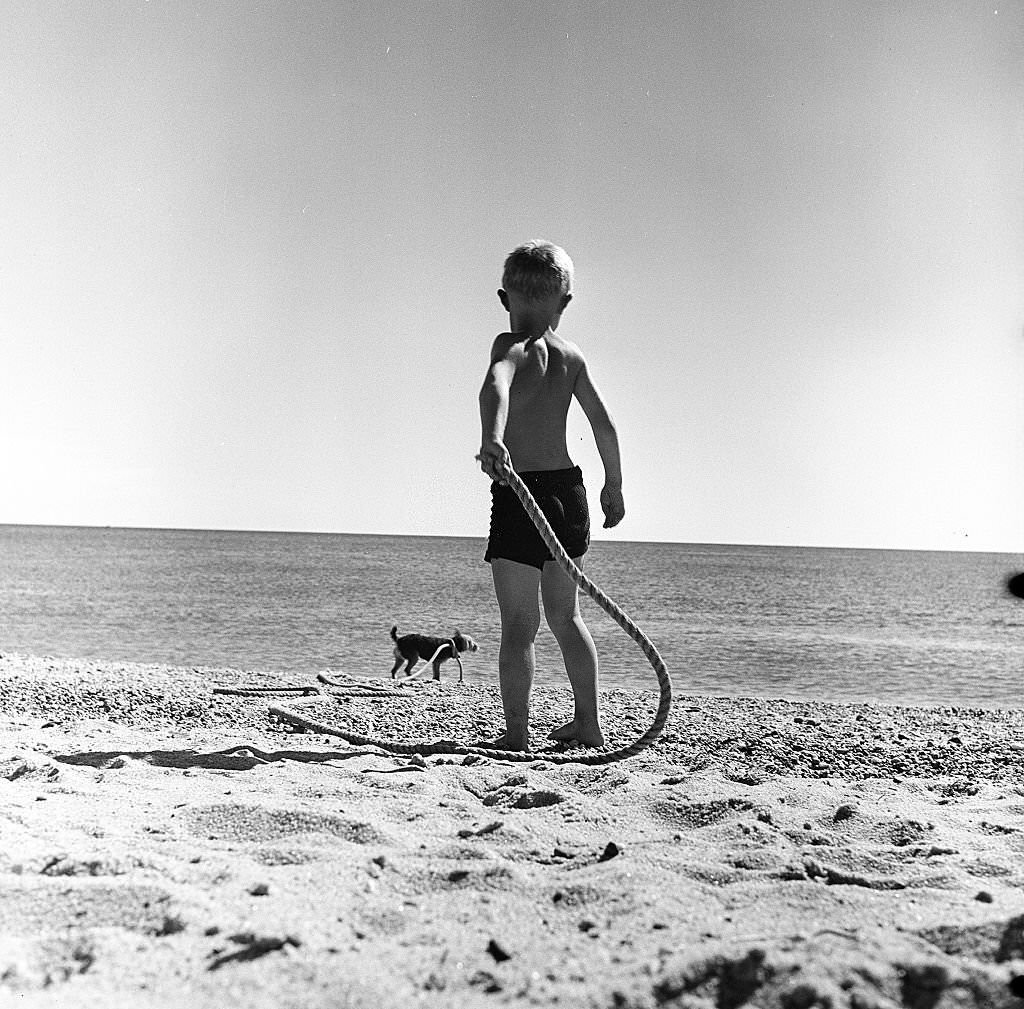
(259,691)
(573,757)
(360,688)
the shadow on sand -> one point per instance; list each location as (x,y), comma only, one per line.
(235,758)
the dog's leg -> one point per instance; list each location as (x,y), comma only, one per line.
(411,664)
(399,659)
(441,655)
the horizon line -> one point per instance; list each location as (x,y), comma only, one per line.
(482,537)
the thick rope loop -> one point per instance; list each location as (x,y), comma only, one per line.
(573,756)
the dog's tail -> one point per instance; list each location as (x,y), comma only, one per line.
(394,633)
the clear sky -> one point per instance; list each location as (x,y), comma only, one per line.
(249,254)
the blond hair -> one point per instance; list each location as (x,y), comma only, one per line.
(538,270)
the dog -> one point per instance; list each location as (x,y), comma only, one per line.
(410,648)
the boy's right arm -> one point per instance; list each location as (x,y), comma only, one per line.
(494,395)
(607,440)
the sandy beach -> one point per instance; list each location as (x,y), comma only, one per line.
(162,845)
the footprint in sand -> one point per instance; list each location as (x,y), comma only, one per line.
(43,905)
(515,792)
(95,865)
(25,769)
(690,815)
(992,941)
(39,962)
(255,824)
(527,799)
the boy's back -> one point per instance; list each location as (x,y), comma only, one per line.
(546,369)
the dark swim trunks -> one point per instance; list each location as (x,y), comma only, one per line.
(563,500)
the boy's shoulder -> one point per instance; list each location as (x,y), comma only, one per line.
(505,345)
(569,352)
(517,345)
(564,345)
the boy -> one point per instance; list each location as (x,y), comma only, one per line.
(525,398)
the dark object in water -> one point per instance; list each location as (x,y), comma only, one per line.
(1015,585)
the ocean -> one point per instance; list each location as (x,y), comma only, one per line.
(887,626)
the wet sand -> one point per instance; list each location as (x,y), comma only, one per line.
(162,845)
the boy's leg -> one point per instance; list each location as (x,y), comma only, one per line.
(562,610)
(515,586)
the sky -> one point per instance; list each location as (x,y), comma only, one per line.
(249,254)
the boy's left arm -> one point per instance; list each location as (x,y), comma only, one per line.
(607,439)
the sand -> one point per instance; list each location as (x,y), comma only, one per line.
(161,845)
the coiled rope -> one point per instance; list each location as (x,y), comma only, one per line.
(573,756)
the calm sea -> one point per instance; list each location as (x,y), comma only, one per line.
(904,627)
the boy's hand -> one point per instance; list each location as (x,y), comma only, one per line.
(494,460)
(612,505)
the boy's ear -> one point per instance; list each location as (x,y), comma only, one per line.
(503,298)
(566,298)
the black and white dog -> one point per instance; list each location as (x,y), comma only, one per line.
(410,648)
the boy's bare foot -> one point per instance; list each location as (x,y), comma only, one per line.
(506,741)
(578,732)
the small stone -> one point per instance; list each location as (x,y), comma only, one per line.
(259,890)
(845,811)
(610,851)
(984,897)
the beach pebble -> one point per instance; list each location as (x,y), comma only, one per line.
(610,851)
(808,994)
(480,831)
(983,896)
(845,811)
(486,981)
(259,890)
(1011,946)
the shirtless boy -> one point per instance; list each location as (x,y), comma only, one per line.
(533,376)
